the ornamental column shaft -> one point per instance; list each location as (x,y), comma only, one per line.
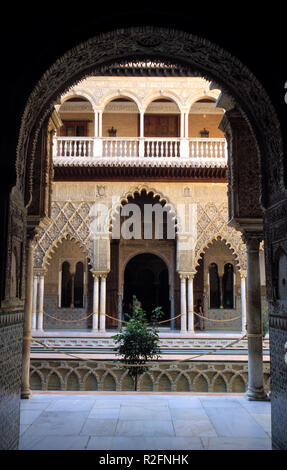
(96,303)
(183,304)
(41,303)
(255,389)
(103,304)
(190,319)
(243,302)
(25,386)
(34,303)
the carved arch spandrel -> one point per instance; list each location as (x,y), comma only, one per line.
(68,219)
(211,224)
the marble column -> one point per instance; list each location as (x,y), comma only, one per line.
(103,303)
(183,303)
(96,303)
(34,303)
(190,316)
(141,140)
(243,301)
(41,303)
(25,385)
(255,389)
(96,123)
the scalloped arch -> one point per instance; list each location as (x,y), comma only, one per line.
(55,244)
(240,260)
(114,210)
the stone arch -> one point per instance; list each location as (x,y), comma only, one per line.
(68,219)
(90,381)
(72,380)
(200,383)
(189,53)
(110,380)
(233,242)
(78,92)
(114,210)
(162,94)
(208,95)
(55,244)
(218,384)
(164,382)
(123,93)
(237,384)
(126,382)
(53,380)
(146,382)
(182,383)
(36,380)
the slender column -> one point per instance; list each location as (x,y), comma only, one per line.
(120,309)
(172,323)
(96,303)
(190,320)
(25,386)
(34,303)
(141,141)
(96,123)
(255,389)
(103,303)
(73,290)
(100,123)
(41,302)
(243,302)
(60,289)
(186,126)
(183,303)
(182,127)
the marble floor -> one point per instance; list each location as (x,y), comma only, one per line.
(167,421)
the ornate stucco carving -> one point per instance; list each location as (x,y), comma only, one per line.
(67,218)
(212,223)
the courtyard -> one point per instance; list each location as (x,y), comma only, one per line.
(143,421)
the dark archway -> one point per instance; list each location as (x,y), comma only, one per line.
(146,277)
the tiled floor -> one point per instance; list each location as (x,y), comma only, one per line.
(144,421)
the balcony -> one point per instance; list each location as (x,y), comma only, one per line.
(206,152)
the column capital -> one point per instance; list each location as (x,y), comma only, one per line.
(186,274)
(40,272)
(252,240)
(102,274)
(243,273)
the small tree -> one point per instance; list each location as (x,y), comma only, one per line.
(136,342)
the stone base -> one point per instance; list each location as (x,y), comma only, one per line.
(256,395)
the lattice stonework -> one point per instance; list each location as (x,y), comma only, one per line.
(211,223)
(67,218)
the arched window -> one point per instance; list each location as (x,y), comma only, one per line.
(214,286)
(228,286)
(66,285)
(72,286)
(79,285)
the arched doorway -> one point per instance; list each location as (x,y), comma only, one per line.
(196,54)
(146,276)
